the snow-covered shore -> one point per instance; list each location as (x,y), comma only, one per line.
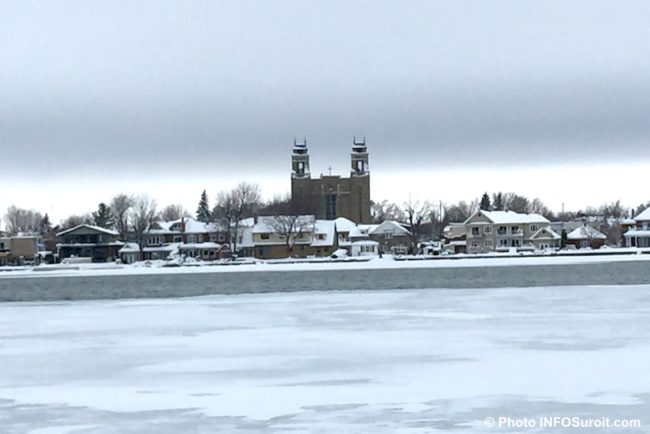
(386,262)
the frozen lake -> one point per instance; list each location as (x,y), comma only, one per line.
(413,361)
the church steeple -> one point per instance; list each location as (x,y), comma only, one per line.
(359,158)
(300,160)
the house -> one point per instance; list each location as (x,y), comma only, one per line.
(129,253)
(185,236)
(88,241)
(391,236)
(364,248)
(546,238)
(638,235)
(489,231)
(324,238)
(5,250)
(185,230)
(586,236)
(455,238)
(277,237)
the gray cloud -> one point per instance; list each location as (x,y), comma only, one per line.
(226,85)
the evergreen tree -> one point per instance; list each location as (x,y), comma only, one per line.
(485,202)
(44,226)
(103,216)
(497,201)
(203,211)
(563,239)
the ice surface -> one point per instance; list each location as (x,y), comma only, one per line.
(386,262)
(364,361)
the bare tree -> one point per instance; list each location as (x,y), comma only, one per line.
(290,227)
(142,215)
(76,220)
(457,213)
(385,210)
(235,205)
(417,214)
(22,220)
(172,212)
(536,206)
(120,206)
(516,203)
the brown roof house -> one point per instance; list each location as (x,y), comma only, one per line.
(586,236)
(95,243)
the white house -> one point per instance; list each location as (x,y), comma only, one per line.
(364,248)
(489,231)
(639,234)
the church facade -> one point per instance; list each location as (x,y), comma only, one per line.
(332,196)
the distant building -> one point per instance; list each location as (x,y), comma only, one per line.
(489,231)
(586,236)
(332,196)
(88,241)
(638,235)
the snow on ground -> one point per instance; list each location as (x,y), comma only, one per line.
(371,361)
(386,262)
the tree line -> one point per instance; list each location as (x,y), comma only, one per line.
(131,216)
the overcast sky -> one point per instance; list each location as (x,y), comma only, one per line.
(548,99)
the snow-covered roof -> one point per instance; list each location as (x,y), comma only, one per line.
(192,226)
(92,227)
(546,233)
(637,233)
(643,216)
(166,248)
(586,232)
(628,221)
(389,226)
(130,248)
(345,225)
(206,245)
(324,228)
(365,243)
(509,217)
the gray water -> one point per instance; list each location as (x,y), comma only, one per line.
(186,285)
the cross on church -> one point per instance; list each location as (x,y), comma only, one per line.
(330,170)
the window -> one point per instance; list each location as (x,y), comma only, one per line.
(474,243)
(488,243)
(388,235)
(221,237)
(321,236)
(265,236)
(533,228)
(487,229)
(330,206)
(502,230)
(503,243)
(475,231)
(178,239)
(514,229)
(154,240)
(191,238)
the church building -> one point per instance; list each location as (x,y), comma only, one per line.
(332,196)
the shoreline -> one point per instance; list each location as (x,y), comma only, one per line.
(387,262)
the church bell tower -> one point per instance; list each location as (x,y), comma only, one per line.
(300,160)
(359,158)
